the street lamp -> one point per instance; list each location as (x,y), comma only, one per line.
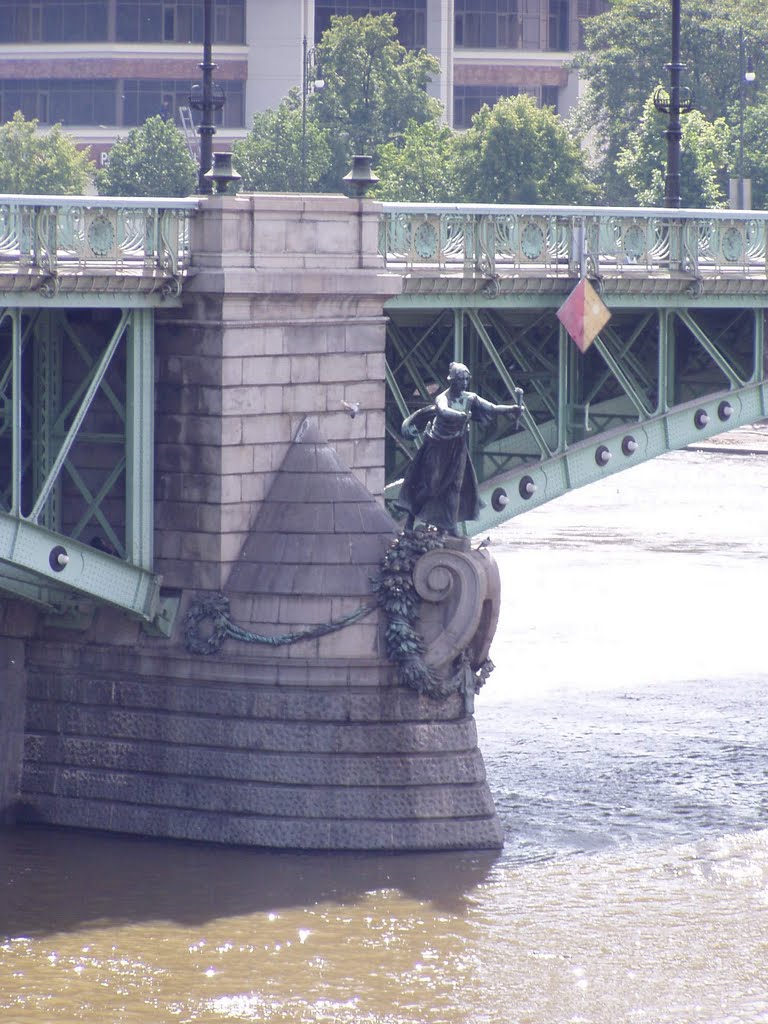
(309,83)
(746,77)
(207,99)
(675,102)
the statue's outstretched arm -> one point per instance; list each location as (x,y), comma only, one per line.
(417,421)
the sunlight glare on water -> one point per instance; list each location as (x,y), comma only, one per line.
(624,734)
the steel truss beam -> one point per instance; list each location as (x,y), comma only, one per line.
(76,458)
(655,380)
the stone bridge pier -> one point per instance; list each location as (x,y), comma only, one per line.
(272,715)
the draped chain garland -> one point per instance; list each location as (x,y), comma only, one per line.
(216,609)
(396,595)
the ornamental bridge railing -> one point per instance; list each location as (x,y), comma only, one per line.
(564,241)
(76,243)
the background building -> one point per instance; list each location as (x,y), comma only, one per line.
(100,67)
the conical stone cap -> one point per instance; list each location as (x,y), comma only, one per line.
(319,531)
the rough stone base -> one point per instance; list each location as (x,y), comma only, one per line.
(12,686)
(305,756)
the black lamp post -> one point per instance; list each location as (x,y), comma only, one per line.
(746,77)
(207,100)
(674,103)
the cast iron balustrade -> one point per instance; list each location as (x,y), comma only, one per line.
(50,241)
(564,242)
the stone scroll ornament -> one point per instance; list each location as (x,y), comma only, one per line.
(441,602)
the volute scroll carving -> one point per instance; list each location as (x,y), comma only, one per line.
(460,592)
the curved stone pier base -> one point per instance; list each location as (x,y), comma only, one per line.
(304,756)
(311,744)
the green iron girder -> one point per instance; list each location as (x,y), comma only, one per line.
(76,458)
(509,495)
(655,380)
(71,568)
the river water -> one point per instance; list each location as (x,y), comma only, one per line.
(626,741)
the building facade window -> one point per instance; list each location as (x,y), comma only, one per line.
(178,21)
(53,21)
(410,17)
(468,99)
(136,21)
(145,97)
(550,97)
(558,36)
(498,24)
(53,101)
(91,102)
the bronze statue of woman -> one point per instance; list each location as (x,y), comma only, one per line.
(440,484)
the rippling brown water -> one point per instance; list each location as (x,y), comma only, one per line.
(626,742)
(126,931)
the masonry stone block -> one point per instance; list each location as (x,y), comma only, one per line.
(305,399)
(305,340)
(254,400)
(363,336)
(305,369)
(272,430)
(254,487)
(343,367)
(260,370)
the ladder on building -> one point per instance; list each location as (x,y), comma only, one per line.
(188,126)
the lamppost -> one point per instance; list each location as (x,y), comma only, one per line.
(207,100)
(746,77)
(674,103)
(308,84)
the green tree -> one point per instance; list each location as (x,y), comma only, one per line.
(518,152)
(283,152)
(755,153)
(626,50)
(152,161)
(373,86)
(35,162)
(420,166)
(703,154)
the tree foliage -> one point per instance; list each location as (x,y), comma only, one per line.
(518,152)
(373,86)
(755,153)
(703,153)
(283,152)
(34,162)
(626,50)
(420,166)
(152,161)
